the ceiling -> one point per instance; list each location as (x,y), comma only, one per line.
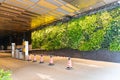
(24,15)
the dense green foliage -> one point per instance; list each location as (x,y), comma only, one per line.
(89,32)
(5,75)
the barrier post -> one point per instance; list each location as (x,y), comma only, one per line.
(25,50)
(13,50)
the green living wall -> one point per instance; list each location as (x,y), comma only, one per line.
(89,32)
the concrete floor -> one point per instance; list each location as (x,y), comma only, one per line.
(82,70)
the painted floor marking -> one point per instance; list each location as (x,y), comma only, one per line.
(89,65)
(44,76)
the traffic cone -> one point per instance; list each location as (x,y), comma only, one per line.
(34,59)
(29,58)
(69,64)
(41,59)
(51,61)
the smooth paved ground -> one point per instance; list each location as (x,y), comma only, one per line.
(82,70)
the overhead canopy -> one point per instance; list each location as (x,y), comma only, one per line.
(23,15)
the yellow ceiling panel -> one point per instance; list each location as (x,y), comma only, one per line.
(47,4)
(38,9)
(52,14)
(41,20)
(70,6)
(81,4)
(58,2)
(56,12)
(67,8)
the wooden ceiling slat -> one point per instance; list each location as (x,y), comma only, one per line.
(20,15)
(9,13)
(12,7)
(14,12)
(29,14)
(18,22)
(16,18)
(25,17)
(9,10)
(5,15)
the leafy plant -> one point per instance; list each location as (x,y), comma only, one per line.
(5,75)
(89,32)
(115,35)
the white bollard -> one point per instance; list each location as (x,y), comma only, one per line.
(25,50)
(21,55)
(13,50)
(17,53)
